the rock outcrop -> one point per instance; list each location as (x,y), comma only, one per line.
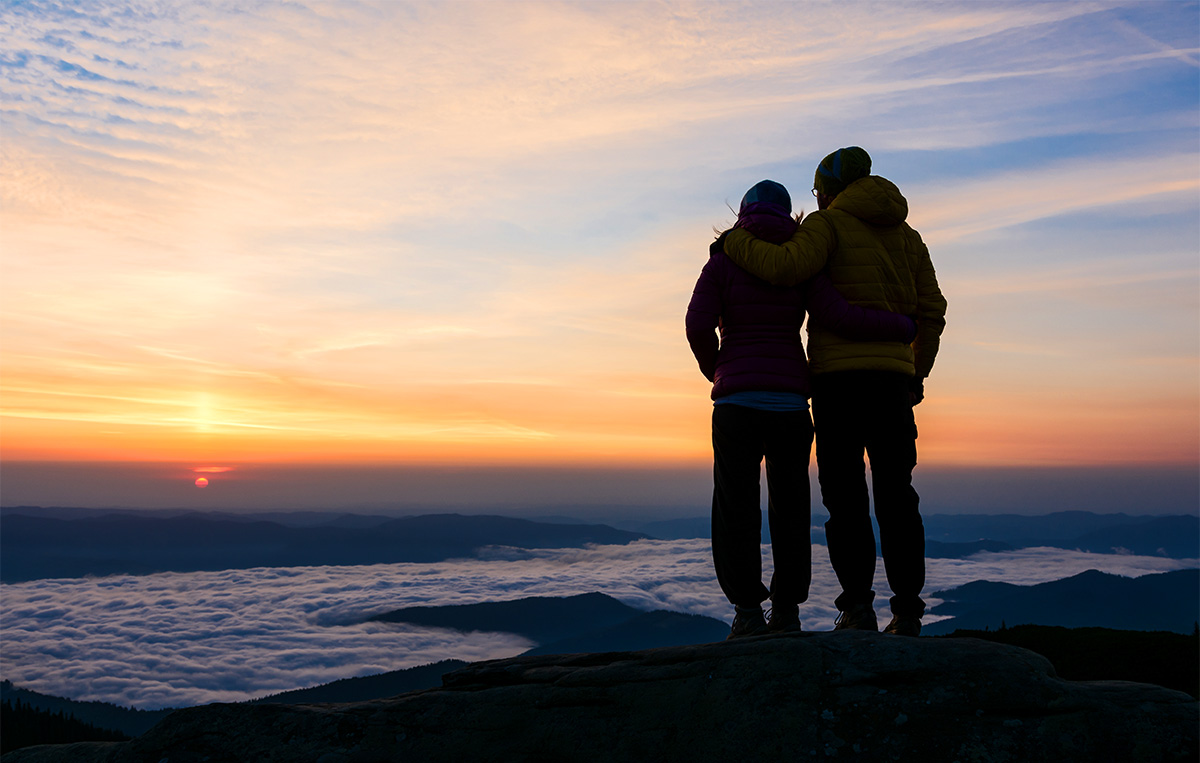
(848,696)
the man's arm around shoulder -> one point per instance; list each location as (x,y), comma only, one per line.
(785,264)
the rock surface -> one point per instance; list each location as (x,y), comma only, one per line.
(848,696)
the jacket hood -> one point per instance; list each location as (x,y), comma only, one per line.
(767,221)
(874,200)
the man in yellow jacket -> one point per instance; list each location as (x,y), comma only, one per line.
(863,393)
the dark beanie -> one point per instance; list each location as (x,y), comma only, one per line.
(767,192)
(840,169)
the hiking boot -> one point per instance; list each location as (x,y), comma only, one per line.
(904,626)
(747,622)
(860,617)
(783,619)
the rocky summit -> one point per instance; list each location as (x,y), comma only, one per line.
(847,696)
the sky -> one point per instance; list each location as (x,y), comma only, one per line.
(179,639)
(242,239)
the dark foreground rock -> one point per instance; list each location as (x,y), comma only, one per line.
(847,696)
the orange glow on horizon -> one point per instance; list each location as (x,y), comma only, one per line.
(954,431)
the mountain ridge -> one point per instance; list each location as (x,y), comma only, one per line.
(1168,601)
(591,622)
(38,547)
(537,618)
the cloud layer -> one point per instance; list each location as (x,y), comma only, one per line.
(172,640)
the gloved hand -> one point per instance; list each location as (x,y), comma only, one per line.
(718,246)
(916,392)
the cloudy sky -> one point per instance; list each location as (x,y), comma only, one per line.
(179,639)
(239,233)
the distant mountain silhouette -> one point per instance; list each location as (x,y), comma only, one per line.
(591,622)
(647,630)
(678,529)
(1023,529)
(36,547)
(538,618)
(957,536)
(65,542)
(938,550)
(953,536)
(1175,537)
(1168,601)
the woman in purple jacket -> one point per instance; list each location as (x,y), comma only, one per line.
(760,392)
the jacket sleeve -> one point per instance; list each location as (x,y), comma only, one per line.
(785,264)
(703,317)
(828,309)
(931,314)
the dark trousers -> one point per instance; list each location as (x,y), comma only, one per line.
(855,411)
(742,437)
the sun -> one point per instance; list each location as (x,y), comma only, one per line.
(203,481)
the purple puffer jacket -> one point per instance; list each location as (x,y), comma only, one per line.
(760,348)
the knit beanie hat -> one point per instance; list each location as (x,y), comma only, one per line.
(767,192)
(840,169)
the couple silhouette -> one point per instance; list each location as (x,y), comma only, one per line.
(875,314)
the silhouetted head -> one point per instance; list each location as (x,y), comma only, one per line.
(838,170)
(767,192)
(767,212)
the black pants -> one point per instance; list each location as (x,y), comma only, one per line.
(742,437)
(870,410)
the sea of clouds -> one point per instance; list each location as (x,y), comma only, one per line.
(180,639)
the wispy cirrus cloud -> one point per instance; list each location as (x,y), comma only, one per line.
(386,222)
(1057,189)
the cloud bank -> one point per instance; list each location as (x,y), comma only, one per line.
(173,640)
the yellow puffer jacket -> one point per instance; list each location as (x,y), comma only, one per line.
(874,258)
